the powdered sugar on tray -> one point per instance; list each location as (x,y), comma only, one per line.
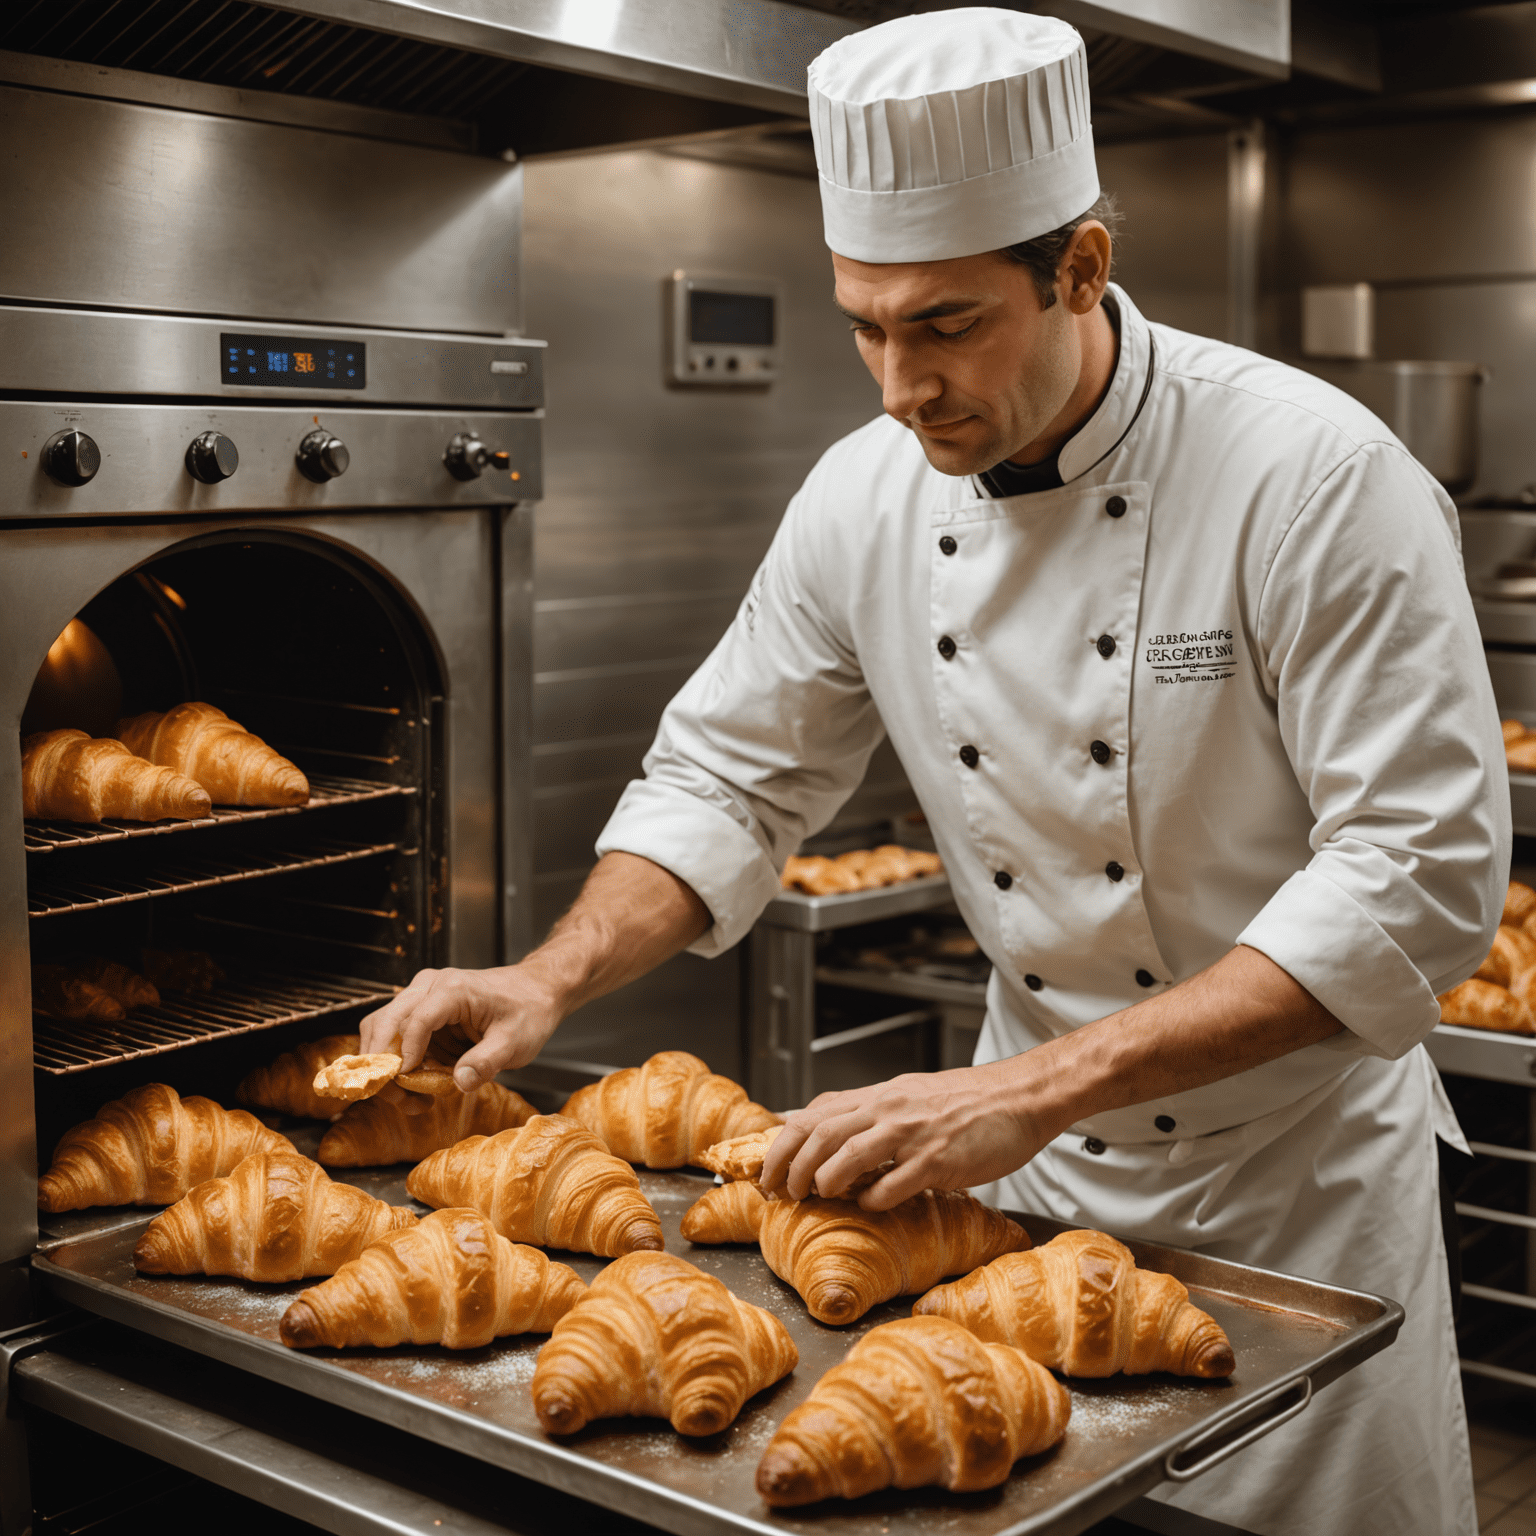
(478,1371)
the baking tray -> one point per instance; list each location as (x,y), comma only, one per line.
(1126,1435)
(817,914)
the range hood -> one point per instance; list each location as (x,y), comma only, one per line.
(542,76)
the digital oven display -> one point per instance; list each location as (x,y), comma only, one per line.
(730,319)
(293,362)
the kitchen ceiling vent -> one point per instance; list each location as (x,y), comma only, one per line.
(233,43)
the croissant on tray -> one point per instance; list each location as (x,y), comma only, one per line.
(863,869)
(550,1182)
(277,1217)
(150,1147)
(728,1213)
(1485,1005)
(287,1082)
(915,1402)
(450,1279)
(1080,1305)
(373,1132)
(667,1112)
(844,1260)
(202,742)
(69,776)
(655,1336)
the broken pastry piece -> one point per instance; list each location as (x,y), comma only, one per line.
(350,1078)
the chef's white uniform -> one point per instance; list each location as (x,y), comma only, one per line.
(1223,686)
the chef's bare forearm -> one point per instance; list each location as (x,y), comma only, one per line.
(631,916)
(948,1130)
(1237,1014)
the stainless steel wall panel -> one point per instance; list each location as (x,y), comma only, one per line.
(215,216)
(621,701)
(1172,256)
(615,758)
(1444,198)
(567,819)
(579,632)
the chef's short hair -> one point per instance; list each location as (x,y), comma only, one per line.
(1043,254)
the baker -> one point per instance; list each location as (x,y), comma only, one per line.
(1174,644)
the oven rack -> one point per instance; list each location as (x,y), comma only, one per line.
(324,790)
(262,1000)
(55,897)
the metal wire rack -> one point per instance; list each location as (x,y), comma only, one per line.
(260,1001)
(55,897)
(324,790)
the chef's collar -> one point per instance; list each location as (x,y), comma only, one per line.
(1103,432)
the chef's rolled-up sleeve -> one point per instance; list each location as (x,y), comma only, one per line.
(1373,656)
(763,744)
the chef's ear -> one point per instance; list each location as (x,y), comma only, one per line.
(1084,268)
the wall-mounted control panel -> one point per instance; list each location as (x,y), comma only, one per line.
(723,331)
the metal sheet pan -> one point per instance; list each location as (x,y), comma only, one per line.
(1290,1335)
(815,914)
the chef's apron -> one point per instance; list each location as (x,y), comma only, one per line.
(1341,1188)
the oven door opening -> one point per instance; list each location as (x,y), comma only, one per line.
(283,924)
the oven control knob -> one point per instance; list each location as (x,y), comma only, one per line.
(212,457)
(322,456)
(468,458)
(71,458)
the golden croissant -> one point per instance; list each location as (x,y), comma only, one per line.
(149,1148)
(742,1158)
(287,1082)
(1519,902)
(63,993)
(843,1260)
(373,1131)
(202,742)
(1486,1005)
(1080,1305)
(915,1402)
(728,1213)
(656,1337)
(550,1182)
(277,1217)
(667,1112)
(73,777)
(451,1279)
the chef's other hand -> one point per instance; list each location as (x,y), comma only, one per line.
(506,1011)
(944,1130)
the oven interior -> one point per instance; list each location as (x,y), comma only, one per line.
(312,915)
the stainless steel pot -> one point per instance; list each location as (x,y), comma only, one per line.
(1432,407)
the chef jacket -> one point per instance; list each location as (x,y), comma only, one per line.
(1223,686)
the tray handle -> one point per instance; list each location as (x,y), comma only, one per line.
(1274,1408)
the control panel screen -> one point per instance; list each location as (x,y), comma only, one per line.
(293,362)
(730,319)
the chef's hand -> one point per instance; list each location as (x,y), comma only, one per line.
(630,916)
(944,1130)
(508,1011)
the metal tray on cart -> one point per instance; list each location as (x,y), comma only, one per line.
(1126,1435)
(816,914)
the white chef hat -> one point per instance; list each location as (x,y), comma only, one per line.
(951,133)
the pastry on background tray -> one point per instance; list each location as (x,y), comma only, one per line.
(69,776)
(287,1082)
(278,1216)
(1080,1305)
(862,869)
(182,970)
(843,1260)
(99,990)
(657,1337)
(916,1402)
(202,742)
(551,1182)
(728,1213)
(373,1132)
(666,1113)
(150,1147)
(1502,994)
(450,1279)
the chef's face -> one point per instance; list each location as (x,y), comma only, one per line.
(968,357)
